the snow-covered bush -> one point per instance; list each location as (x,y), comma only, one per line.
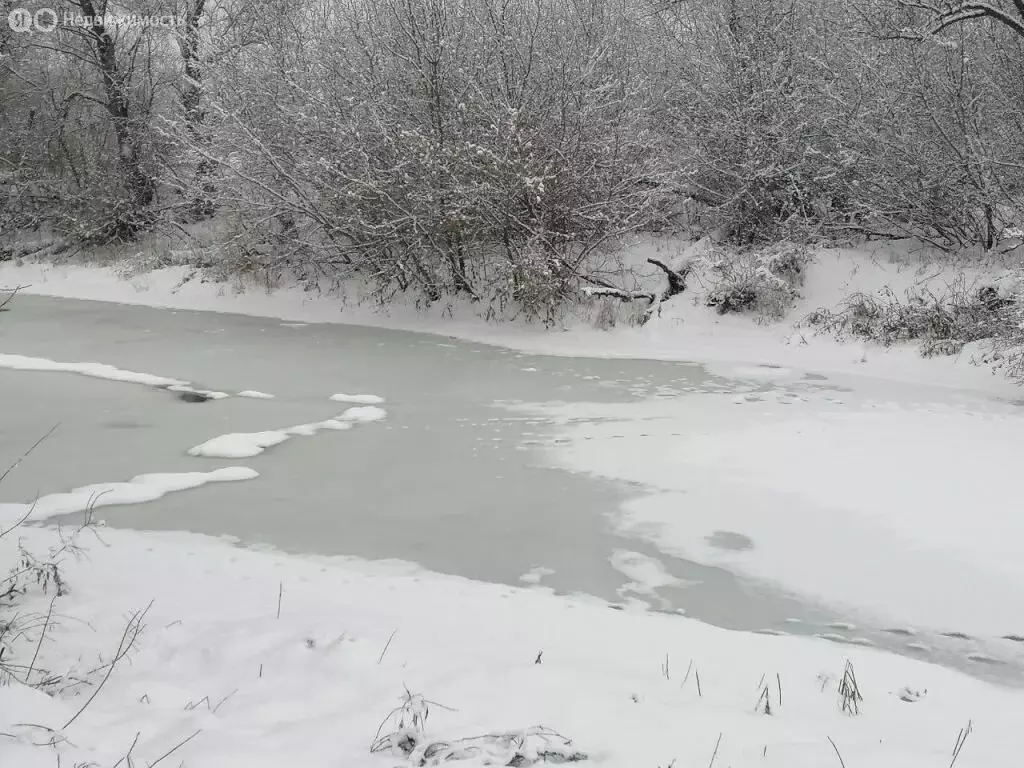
(487,147)
(23,572)
(399,142)
(940,142)
(944,322)
(76,117)
(403,735)
(760,133)
(764,281)
(20,571)
(608,312)
(1007,353)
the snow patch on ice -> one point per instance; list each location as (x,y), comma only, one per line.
(256,395)
(536,574)
(138,490)
(241,445)
(361,399)
(924,495)
(108,372)
(95,370)
(647,575)
(364,413)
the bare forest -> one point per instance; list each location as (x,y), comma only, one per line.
(493,148)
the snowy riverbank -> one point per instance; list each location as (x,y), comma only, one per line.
(682,329)
(257,658)
(311,688)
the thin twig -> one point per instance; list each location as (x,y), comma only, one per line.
(11,295)
(219,703)
(42,636)
(24,456)
(128,637)
(386,646)
(715,753)
(193,704)
(280,594)
(174,749)
(961,739)
(689,668)
(128,755)
(841,762)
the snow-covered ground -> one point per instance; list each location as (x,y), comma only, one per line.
(312,687)
(898,505)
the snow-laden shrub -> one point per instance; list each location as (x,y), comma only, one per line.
(403,735)
(608,312)
(465,178)
(26,572)
(1007,353)
(943,322)
(763,281)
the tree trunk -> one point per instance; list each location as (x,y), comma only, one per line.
(141,187)
(201,204)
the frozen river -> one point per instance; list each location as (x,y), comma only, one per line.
(456,478)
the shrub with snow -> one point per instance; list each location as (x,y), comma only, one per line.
(763,281)
(1007,353)
(944,322)
(22,571)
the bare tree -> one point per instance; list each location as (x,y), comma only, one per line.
(117,76)
(501,149)
(932,18)
(201,187)
(948,165)
(478,148)
(83,106)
